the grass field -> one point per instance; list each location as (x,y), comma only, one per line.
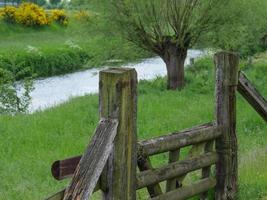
(30,143)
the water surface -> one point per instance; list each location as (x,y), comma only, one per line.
(55,90)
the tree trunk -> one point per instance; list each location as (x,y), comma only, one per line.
(174,58)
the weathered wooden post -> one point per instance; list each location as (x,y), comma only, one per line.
(117,99)
(226,145)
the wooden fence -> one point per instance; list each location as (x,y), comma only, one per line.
(111,160)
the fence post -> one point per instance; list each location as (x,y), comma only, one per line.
(226,145)
(118,99)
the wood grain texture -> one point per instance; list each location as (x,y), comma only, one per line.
(174,183)
(206,171)
(144,164)
(187,192)
(148,147)
(195,151)
(93,161)
(181,139)
(62,169)
(226,145)
(172,170)
(118,99)
(252,95)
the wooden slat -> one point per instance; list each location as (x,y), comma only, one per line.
(172,184)
(186,192)
(252,95)
(150,177)
(181,139)
(206,170)
(195,151)
(93,161)
(144,164)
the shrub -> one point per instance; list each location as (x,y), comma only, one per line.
(8,14)
(15,96)
(49,62)
(59,16)
(30,14)
(82,15)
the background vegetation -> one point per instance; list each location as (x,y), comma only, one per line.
(51,50)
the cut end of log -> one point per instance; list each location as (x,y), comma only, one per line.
(55,170)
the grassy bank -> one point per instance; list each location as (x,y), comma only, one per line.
(30,143)
(85,43)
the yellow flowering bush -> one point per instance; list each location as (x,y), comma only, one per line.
(59,16)
(30,14)
(8,14)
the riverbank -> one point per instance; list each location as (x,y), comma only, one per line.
(30,143)
(48,51)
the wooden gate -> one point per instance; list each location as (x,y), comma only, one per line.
(111,160)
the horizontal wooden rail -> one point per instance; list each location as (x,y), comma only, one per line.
(251,94)
(185,138)
(188,191)
(65,168)
(176,169)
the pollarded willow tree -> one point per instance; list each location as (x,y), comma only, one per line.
(167,28)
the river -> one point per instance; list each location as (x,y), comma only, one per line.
(52,91)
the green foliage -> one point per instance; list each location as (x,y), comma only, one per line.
(154,24)
(245,29)
(41,2)
(231,25)
(79,3)
(38,2)
(200,76)
(54,2)
(54,62)
(14,96)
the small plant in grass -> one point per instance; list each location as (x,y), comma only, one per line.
(15,95)
(84,15)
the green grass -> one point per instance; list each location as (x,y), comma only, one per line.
(30,143)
